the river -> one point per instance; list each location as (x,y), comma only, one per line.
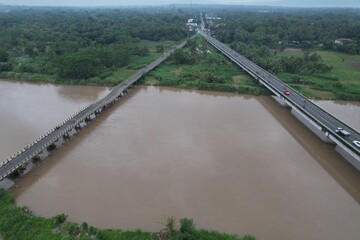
(238,164)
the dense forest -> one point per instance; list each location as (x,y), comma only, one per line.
(257,34)
(292,44)
(106,46)
(81,43)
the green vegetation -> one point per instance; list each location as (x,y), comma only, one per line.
(106,46)
(299,47)
(199,66)
(84,46)
(19,223)
(342,82)
(282,28)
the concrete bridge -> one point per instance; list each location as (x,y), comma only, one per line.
(315,118)
(48,140)
(318,120)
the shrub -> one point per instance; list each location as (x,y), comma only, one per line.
(6,67)
(61,218)
(170,225)
(248,237)
(187,225)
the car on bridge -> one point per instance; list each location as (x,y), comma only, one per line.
(357,143)
(342,132)
(287,93)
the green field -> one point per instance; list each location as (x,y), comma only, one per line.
(343,82)
(207,70)
(216,72)
(107,77)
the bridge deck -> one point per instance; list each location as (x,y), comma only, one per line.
(12,164)
(327,121)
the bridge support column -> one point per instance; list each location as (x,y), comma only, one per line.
(51,147)
(97,112)
(349,156)
(315,128)
(280,100)
(36,159)
(66,136)
(16,173)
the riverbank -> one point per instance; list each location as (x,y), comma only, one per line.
(199,66)
(341,83)
(20,223)
(204,68)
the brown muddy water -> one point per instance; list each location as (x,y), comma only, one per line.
(348,112)
(30,110)
(238,164)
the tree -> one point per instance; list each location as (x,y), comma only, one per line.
(160,48)
(182,56)
(141,51)
(4,56)
(77,66)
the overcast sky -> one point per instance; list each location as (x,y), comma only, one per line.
(291,3)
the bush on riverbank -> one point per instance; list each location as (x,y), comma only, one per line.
(20,223)
(199,66)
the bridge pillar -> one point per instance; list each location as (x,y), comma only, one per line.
(313,126)
(51,147)
(78,127)
(348,155)
(15,174)
(280,101)
(66,136)
(36,159)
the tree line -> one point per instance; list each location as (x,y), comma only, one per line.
(81,43)
(259,35)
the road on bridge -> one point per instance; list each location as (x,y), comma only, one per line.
(317,114)
(29,152)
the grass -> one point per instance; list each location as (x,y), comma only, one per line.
(343,82)
(137,62)
(213,71)
(291,52)
(107,77)
(31,77)
(209,70)
(346,66)
(19,223)
(118,76)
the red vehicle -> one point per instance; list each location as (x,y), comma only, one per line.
(287,93)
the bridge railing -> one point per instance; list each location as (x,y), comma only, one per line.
(80,116)
(215,43)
